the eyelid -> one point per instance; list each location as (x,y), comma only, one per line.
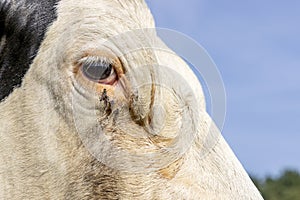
(95,60)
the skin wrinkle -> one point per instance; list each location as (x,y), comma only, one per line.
(58,141)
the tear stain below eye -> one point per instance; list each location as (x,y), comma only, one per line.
(107,102)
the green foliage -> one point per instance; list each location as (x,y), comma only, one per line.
(284,187)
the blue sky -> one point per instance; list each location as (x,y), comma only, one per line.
(256,46)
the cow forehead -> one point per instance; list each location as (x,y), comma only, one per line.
(85,25)
(89,23)
(109,16)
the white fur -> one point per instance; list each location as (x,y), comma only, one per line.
(41,153)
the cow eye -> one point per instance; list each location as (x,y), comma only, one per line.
(98,70)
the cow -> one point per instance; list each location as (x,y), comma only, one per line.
(88,110)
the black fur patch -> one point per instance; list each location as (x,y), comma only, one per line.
(23,24)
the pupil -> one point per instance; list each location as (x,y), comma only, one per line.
(97,71)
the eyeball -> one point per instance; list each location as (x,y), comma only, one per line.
(99,70)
